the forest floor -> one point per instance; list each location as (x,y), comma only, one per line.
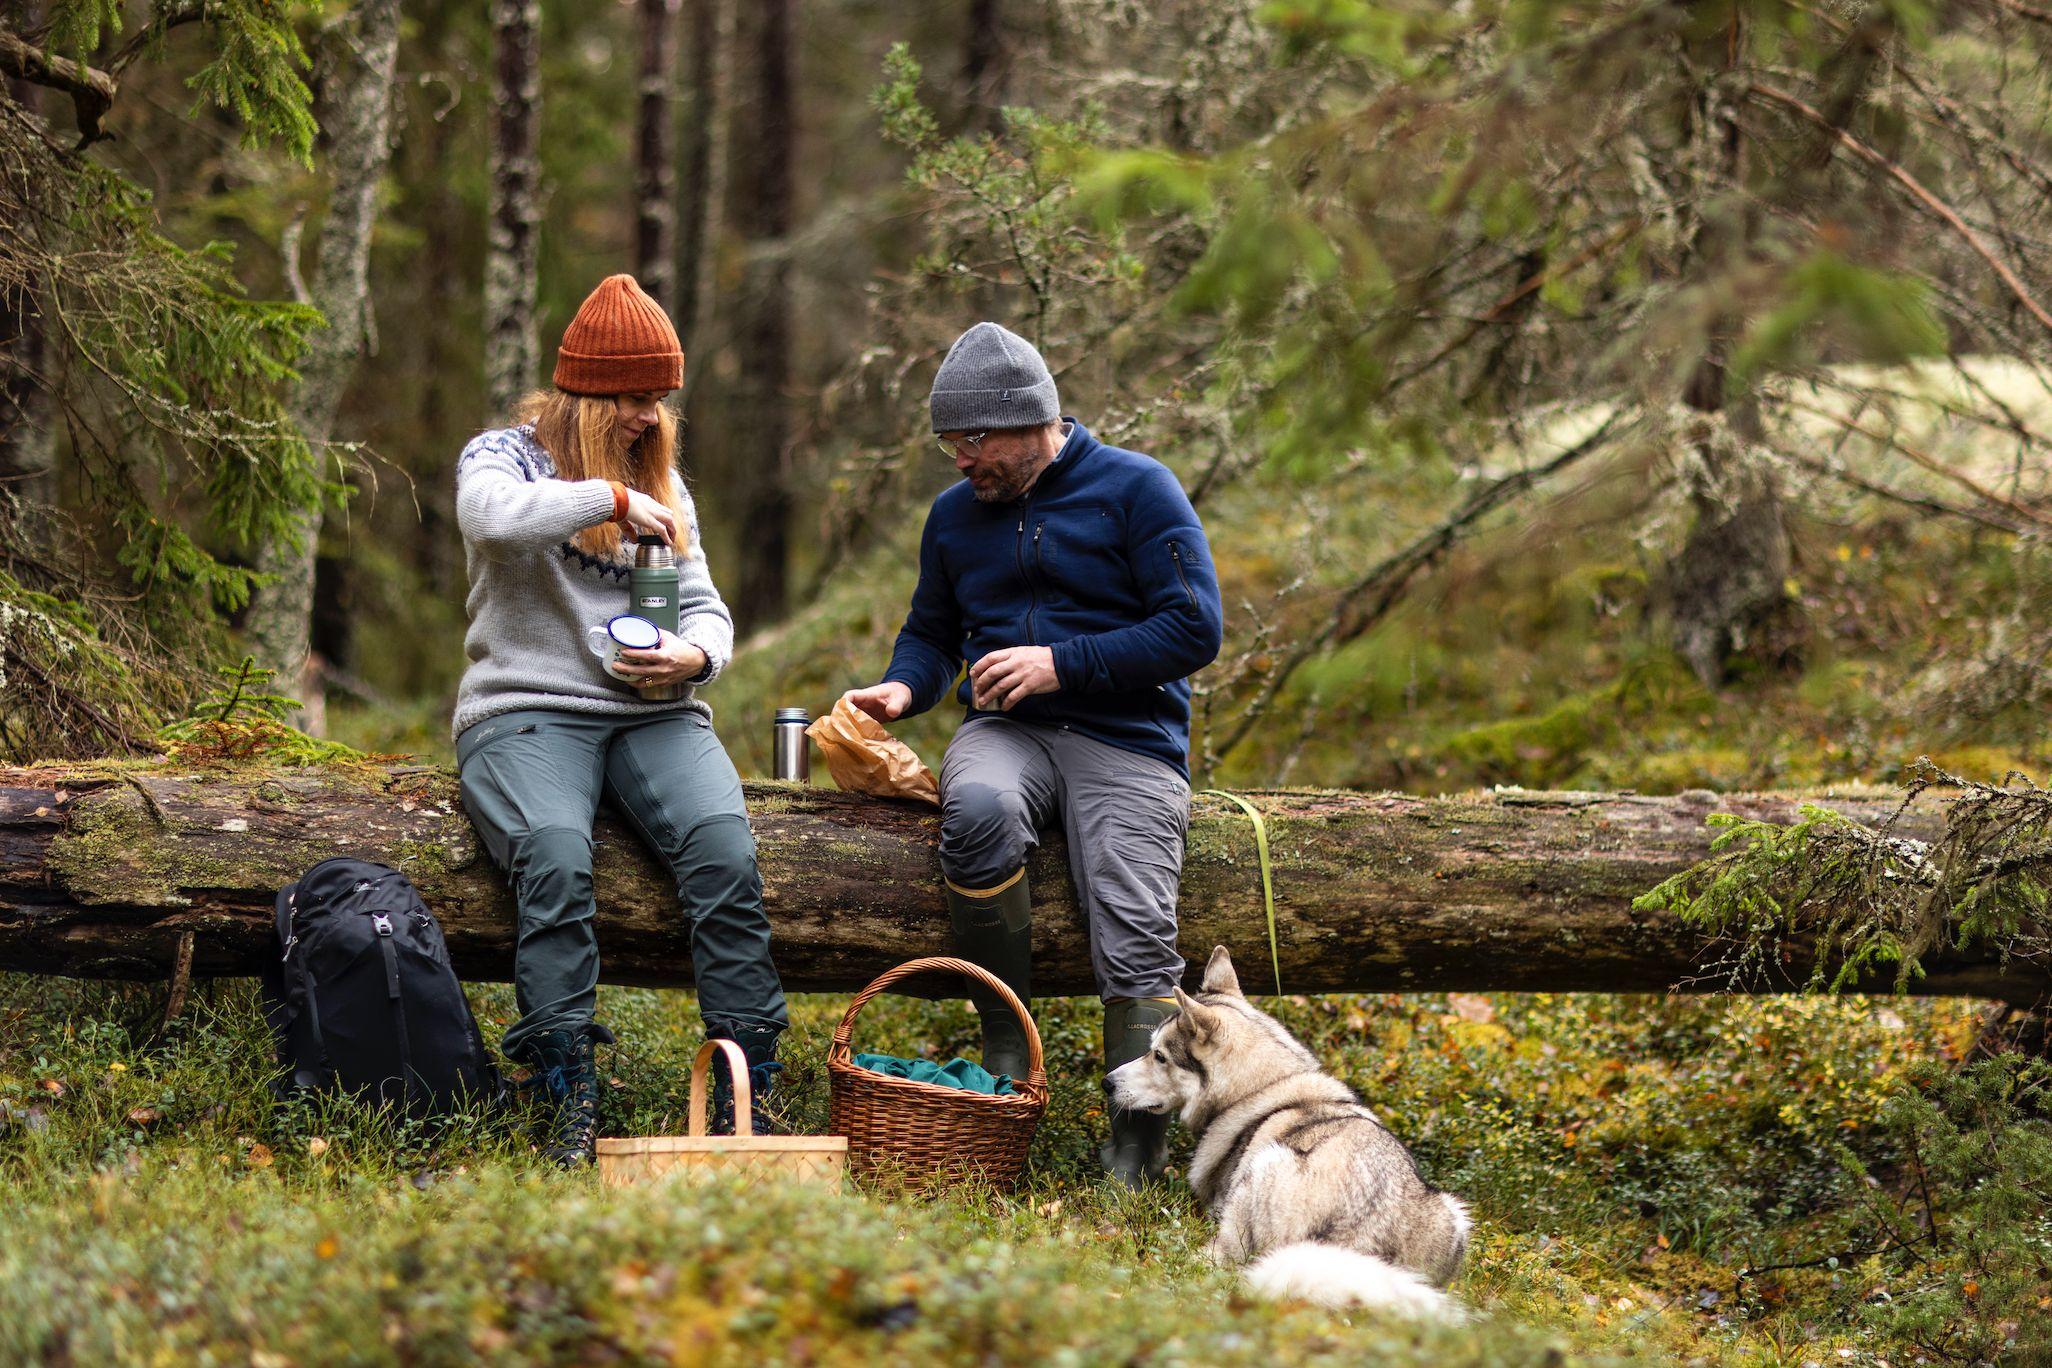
(1678,1179)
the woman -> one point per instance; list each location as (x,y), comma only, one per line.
(549,511)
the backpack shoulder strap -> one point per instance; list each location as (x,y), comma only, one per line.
(282,910)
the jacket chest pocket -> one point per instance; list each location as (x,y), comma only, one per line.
(1079,551)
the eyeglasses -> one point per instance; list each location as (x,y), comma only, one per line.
(953,445)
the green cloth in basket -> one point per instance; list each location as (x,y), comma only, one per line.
(956,1073)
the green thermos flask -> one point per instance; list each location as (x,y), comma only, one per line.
(652,590)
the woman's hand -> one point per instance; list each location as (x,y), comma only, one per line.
(672,660)
(645,514)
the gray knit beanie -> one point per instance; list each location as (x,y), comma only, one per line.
(992,378)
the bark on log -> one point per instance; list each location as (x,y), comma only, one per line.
(102,871)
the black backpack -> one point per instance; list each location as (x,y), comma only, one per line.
(361,997)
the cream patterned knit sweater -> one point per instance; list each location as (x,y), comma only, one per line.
(533,594)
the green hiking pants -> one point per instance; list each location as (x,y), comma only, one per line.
(532,782)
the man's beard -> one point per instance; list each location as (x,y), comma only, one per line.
(1008,480)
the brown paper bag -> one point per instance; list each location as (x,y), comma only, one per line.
(864,758)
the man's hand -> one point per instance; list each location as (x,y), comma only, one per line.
(1002,678)
(885,702)
(672,660)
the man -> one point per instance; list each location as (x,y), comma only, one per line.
(1075,581)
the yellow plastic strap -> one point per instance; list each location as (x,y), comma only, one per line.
(1267,882)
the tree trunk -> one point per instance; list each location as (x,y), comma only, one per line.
(102,871)
(28,436)
(1726,590)
(655,213)
(759,460)
(705,175)
(360,54)
(985,66)
(512,353)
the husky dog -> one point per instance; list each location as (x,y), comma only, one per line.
(1300,1176)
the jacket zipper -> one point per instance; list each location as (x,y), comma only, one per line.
(1033,591)
(1176,555)
(1019,560)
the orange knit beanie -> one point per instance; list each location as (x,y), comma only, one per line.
(621,342)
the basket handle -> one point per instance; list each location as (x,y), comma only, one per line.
(737,1071)
(1036,1074)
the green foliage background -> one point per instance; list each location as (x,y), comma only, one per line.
(1343,265)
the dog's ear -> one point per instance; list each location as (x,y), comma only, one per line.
(1219,976)
(1203,1020)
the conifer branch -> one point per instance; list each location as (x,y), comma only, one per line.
(1931,202)
(91,90)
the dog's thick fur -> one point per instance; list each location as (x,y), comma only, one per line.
(1302,1179)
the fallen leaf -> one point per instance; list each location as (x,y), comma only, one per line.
(144,1116)
(259,1156)
(1471,1006)
(52,1087)
(326,1247)
(316,1146)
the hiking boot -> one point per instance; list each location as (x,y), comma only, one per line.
(1138,1148)
(759,1044)
(994,929)
(566,1067)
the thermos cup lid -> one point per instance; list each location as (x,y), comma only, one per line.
(793,715)
(649,539)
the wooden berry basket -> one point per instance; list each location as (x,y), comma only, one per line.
(924,1134)
(756,1158)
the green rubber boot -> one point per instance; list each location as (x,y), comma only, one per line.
(994,929)
(1138,1147)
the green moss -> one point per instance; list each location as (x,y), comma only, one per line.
(114,851)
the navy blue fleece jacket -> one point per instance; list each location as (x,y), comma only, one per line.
(1104,561)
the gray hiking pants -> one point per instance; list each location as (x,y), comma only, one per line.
(1124,815)
(532,782)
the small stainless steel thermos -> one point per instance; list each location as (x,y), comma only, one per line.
(793,749)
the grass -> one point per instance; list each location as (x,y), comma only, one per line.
(1628,1159)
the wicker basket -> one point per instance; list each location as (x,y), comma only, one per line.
(753,1158)
(925,1134)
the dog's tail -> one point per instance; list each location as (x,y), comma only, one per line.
(1331,1276)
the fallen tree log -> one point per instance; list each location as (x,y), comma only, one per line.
(105,870)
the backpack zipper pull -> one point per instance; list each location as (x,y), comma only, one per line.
(290,941)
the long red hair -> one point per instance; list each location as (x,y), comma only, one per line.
(581,434)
